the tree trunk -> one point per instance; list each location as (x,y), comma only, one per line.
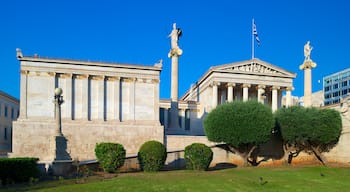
(319,156)
(243,155)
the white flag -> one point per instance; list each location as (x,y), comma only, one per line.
(255,33)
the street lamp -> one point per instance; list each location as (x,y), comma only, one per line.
(58,100)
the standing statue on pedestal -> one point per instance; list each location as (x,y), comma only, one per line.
(175,35)
(307,51)
(307,65)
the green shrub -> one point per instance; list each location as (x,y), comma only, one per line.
(198,156)
(111,156)
(18,169)
(152,156)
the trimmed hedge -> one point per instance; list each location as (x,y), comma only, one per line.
(198,156)
(152,156)
(110,156)
(18,169)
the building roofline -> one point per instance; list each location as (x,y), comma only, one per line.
(156,67)
(14,99)
(337,73)
(215,69)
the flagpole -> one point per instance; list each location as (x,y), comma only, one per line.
(253,38)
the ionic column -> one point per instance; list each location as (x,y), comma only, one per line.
(155,83)
(100,97)
(51,80)
(261,91)
(230,91)
(132,99)
(215,94)
(289,96)
(245,91)
(23,96)
(94,100)
(274,98)
(65,82)
(81,100)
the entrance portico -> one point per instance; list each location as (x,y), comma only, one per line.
(247,80)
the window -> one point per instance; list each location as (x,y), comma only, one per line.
(335,86)
(344,83)
(180,120)
(344,92)
(12,113)
(5,111)
(187,119)
(327,88)
(161,116)
(336,101)
(336,94)
(169,117)
(328,96)
(5,133)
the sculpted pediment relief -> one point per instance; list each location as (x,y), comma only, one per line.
(254,68)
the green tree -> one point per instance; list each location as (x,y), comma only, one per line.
(242,126)
(310,130)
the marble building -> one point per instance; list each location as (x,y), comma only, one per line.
(246,80)
(103,102)
(9,110)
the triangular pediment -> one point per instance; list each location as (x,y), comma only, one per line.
(254,66)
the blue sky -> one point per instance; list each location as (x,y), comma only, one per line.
(214,33)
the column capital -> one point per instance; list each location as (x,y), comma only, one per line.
(275,87)
(230,84)
(64,75)
(261,86)
(289,88)
(81,76)
(246,85)
(97,77)
(110,78)
(214,83)
(24,72)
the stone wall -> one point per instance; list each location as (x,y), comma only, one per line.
(36,138)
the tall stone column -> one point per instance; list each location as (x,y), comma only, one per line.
(174,54)
(261,92)
(230,91)
(245,92)
(289,96)
(215,94)
(307,66)
(274,98)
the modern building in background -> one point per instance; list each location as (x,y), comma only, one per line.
(336,86)
(9,111)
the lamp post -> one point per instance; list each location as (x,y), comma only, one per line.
(58,100)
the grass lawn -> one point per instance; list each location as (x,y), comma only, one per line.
(234,179)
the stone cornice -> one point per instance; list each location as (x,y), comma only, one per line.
(89,63)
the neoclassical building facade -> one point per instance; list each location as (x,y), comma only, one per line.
(9,110)
(103,102)
(246,80)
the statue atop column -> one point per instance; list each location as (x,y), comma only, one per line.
(174,36)
(308,63)
(307,51)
